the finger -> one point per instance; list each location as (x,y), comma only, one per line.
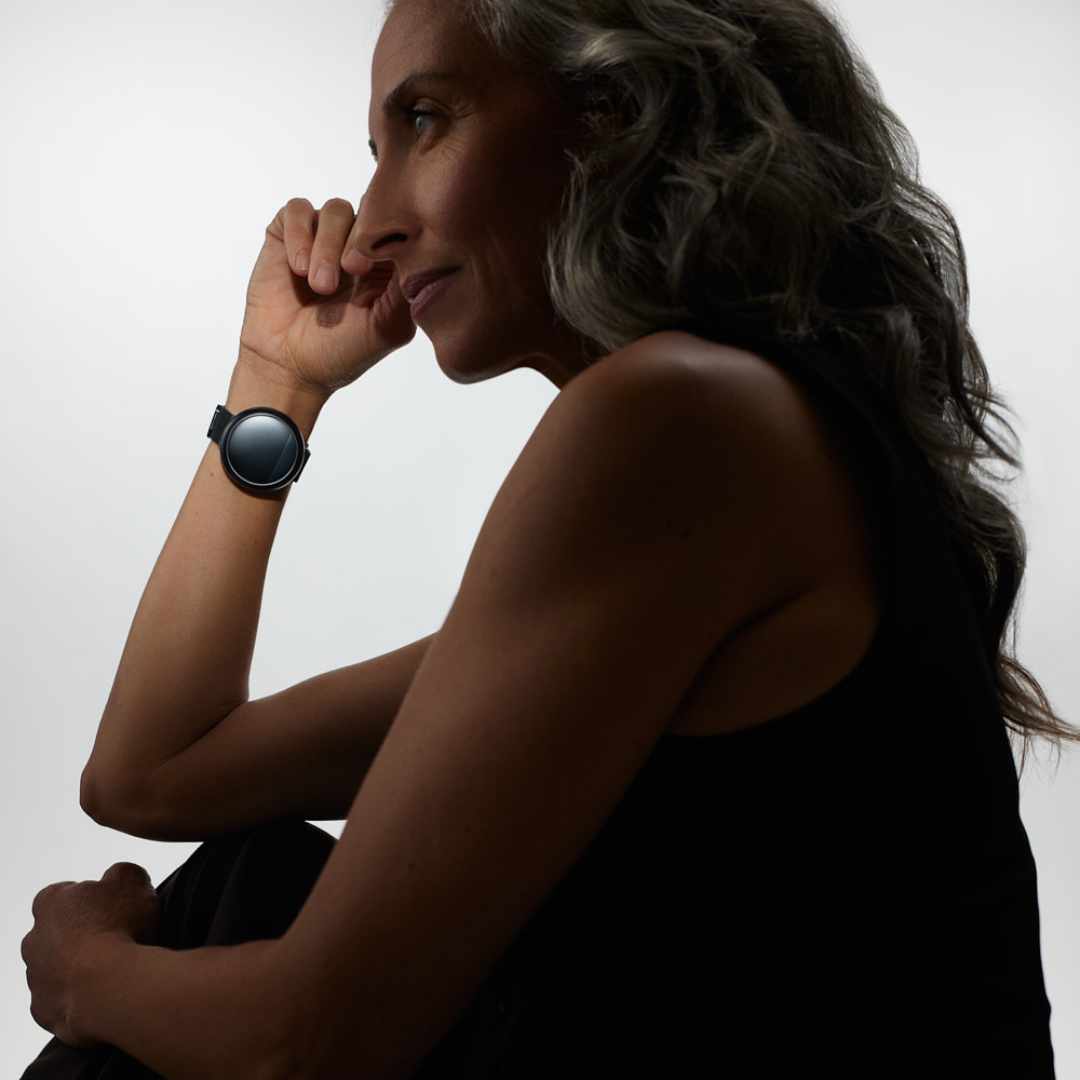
(296,220)
(335,221)
(127,875)
(41,901)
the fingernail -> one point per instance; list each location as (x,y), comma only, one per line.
(303,261)
(325,275)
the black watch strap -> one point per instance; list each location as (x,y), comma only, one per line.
(219,423)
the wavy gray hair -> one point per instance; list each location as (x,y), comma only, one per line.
(739,165)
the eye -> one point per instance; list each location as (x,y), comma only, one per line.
(420,119)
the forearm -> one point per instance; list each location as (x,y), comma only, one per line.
(188,654)
(199,1013)
(300,753)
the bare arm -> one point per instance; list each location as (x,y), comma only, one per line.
(646,521)
(302,753)
(180,752)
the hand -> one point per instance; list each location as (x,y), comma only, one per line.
(68,919)
(320,334)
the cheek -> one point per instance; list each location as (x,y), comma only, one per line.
(510,177)
(491,200)
(492,217)
(461,201)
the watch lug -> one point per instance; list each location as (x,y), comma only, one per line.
(299,472)
(220,421)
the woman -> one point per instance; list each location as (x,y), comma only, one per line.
(707,770)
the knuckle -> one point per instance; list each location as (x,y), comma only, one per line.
(125,873)
(338,206)
(293,219)
(41,901)
(37,1014)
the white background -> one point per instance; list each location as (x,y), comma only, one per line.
(143,148)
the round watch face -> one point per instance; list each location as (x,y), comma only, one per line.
(262,450)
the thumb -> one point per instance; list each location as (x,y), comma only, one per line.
(127,875)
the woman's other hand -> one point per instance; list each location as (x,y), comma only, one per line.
(68,918)
(307,321)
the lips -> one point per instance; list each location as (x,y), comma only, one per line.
(412,287)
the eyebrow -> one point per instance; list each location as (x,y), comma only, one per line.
(395,100)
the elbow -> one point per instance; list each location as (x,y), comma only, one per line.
(118,801)
(91,797)
(100,798)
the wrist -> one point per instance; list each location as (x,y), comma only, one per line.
(212,1011)
(98,960)
(256,383)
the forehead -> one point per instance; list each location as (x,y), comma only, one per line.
(436,38)
(426,35)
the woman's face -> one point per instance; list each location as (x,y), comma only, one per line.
(471,167)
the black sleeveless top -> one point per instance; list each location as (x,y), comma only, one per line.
(845,890)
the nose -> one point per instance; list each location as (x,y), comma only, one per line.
(383,224)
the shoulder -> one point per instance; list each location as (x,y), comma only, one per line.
(670,461)
(678,358)
(673,377)
(678,409)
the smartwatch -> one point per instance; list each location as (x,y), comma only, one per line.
(262,450)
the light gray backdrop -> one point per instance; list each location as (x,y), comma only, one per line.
(143,149)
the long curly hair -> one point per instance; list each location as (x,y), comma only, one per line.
(740,165)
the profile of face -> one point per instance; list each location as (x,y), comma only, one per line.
(471,167)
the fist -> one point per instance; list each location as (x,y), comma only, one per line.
(69,919)
(309,320)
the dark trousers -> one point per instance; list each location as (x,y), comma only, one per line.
(246,887)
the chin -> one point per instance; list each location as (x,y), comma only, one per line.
(464,364)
